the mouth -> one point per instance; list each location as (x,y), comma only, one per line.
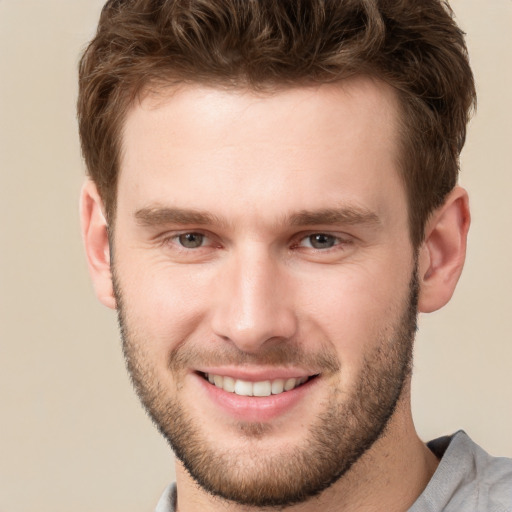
(257,389)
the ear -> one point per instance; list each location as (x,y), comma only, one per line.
(442,254)
(95,237)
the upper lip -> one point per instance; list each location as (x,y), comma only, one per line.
(256,374)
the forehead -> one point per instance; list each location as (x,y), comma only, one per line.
(213,111)
(328,143)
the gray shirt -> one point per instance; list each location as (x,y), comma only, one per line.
(467,480)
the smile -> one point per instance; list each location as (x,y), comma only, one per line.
(260,388)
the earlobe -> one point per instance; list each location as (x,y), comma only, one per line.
(442,254)
(95,237)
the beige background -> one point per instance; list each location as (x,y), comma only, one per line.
(72,435)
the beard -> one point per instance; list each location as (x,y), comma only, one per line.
(349,424)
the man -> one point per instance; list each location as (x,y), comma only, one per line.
(272,200)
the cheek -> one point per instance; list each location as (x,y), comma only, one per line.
(162,304)
(354,309)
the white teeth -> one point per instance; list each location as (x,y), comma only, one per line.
(261,388)
(290,384)
(277,386)
(229,384)
(243,388)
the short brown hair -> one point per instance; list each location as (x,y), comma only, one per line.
(413,45)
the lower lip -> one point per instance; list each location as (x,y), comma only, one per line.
(256,409)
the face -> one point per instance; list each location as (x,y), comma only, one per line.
(265,280)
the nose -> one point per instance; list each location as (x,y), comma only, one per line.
(254,302)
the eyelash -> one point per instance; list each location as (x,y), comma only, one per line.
(174,240)
(337,240)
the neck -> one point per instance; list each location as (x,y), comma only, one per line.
(389,476)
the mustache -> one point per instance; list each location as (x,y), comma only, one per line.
(280,354)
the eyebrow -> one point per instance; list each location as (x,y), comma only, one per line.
(352,215)
(348,216)
(156,216)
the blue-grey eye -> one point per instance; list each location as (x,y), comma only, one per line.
(191,240)
(321,241)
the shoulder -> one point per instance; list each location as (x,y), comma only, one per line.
(494,479)
(467,478)
(167,502)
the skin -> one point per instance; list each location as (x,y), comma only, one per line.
(252,163)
